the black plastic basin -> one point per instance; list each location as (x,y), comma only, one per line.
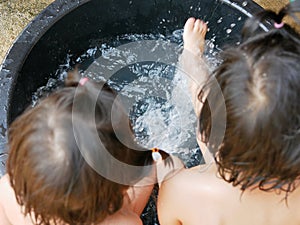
(70,26)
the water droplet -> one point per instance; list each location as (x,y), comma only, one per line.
(220,20)
(232,25)
(240,18)
(228,31)
(211,45)
(191,7)
(245,3)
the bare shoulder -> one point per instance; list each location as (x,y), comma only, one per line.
(5,187)
(4,179)
(202,175)
(5,192)
(186,193)
(198,182)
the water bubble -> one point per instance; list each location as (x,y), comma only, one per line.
(240,18)
(232,25)
(178,33)
(228,31)
(245,3)
(220,20)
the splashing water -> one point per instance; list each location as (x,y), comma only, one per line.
(3,159)
(156,96)
(164,116)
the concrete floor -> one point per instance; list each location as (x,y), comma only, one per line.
(15,14)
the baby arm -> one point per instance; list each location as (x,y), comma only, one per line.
(138,197)
(140,193)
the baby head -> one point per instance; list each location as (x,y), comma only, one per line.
(54,153)
(260,84)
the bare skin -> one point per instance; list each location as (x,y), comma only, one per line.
(135,198)
(194,66)
(191,61)
(199,196)
(194,43)
(134,202)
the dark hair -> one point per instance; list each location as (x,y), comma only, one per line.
(260,83)
(54,150)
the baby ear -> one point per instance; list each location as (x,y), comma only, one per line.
(73,77)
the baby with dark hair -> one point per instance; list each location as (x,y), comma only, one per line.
(249,120)
(73,159)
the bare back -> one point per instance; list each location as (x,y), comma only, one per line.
(197,196)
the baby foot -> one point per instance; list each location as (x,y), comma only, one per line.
(194,36)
